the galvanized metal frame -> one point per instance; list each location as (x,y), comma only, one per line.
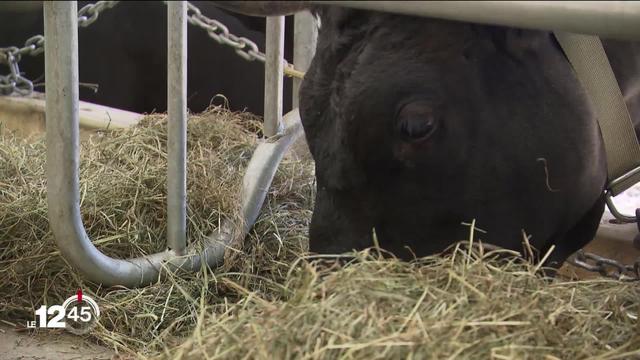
(61,69)
(177,127)
(616,19)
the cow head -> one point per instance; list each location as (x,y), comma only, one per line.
(419,125)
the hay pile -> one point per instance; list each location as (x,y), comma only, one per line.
(123,185)
(432,308)
(269,302)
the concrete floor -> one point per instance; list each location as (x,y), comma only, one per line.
(49,345)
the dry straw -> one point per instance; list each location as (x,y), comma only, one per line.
(269,301)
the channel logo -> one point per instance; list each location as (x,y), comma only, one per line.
(78,314)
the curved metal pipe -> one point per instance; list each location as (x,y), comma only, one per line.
(620,217)
(263,166)
(61,68)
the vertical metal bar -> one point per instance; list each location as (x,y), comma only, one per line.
(273,76)
(177,131)
(63,158)
(305,34)
(62,120)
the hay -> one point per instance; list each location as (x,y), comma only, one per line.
(123,192)
(432,308)
(269,302)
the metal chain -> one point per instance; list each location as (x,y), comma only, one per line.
(244,47)
(11,56)
(606,267)
(89,13)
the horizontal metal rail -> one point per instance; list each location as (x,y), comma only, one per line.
(616,19)
(61,69)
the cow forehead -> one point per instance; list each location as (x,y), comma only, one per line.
(425,34)
(432,39)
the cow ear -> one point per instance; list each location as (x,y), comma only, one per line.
(416,121)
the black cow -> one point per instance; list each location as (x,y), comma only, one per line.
(125,53)
(417,125)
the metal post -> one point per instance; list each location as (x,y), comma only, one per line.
(177,126)
(273,76)
(305,34)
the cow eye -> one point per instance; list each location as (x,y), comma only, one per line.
(416,121)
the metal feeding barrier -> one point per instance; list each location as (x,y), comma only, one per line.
(61,69)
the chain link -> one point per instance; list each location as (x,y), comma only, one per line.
(244,47)
(89,13)
(11,56)
(606,267)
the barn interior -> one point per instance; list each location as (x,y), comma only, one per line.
(268,299)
